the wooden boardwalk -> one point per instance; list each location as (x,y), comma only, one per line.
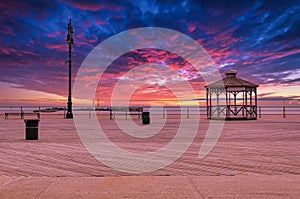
(267,146)
(252,159)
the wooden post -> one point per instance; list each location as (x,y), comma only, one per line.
(93,102)
(22,114)
(110,114)
(283,111)
(187,112)
(259,112)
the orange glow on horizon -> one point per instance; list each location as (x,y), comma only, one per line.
(11,95)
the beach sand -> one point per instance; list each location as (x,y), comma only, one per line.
(252,159)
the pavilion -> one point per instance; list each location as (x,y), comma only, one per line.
(231,98)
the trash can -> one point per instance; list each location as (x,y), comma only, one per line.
(145,117)
(32,129)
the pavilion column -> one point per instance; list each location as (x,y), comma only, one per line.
(255,93)
(218,104)
(235,110)
(207,105)
(226,103)
(210,105)
(251,105)
(246,104)
(243,107)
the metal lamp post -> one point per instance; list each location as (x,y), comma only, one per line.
(70,41)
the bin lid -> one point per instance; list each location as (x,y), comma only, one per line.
(31,120)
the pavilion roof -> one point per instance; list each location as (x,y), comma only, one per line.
(231,81)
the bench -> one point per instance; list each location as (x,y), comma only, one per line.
(22,114)
(129,111)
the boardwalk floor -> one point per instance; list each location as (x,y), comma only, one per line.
(266,149)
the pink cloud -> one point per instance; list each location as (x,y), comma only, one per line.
(100,21)
(9,51)
(247,62)
(94,6)
(81,39)
(7,30)
(56,46)
(55,34)
(272,55)
(192,26)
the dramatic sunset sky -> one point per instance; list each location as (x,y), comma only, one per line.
(259,39)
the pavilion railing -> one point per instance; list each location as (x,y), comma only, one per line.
(232,111)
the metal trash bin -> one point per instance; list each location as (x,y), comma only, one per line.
(32,129)
(145,117)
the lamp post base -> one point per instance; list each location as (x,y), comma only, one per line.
(69,115)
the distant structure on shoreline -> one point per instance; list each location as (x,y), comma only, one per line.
(231,98)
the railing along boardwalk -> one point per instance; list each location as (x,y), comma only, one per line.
(163,111)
